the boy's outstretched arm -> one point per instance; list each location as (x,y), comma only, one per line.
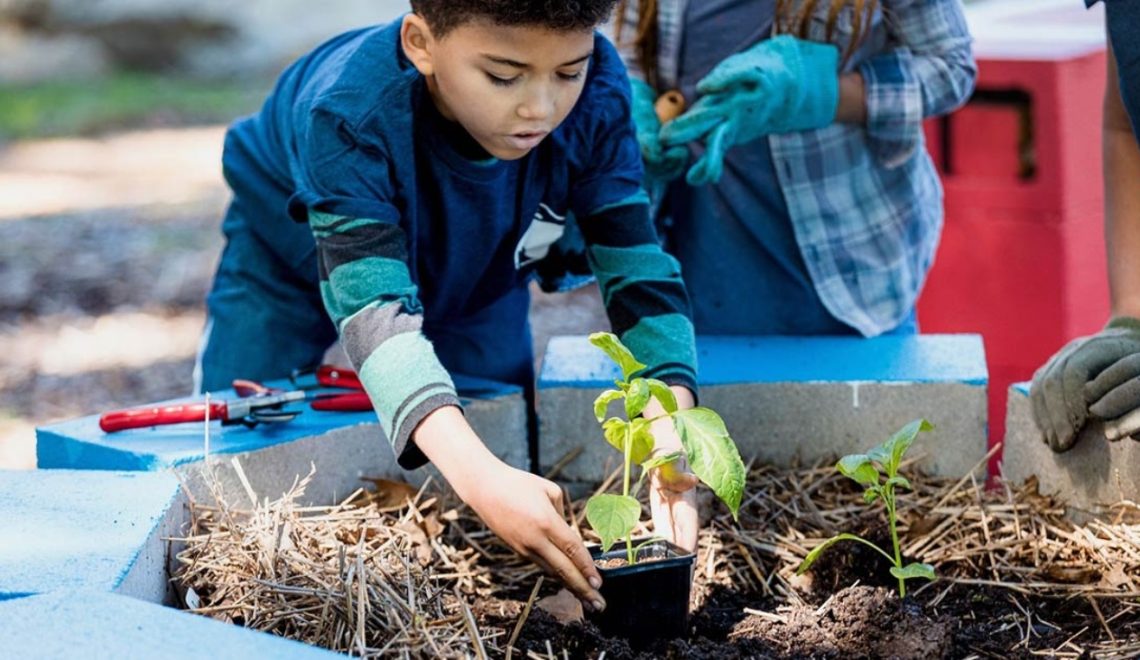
(524,510)
(672,494)
(371,298)
(648,307)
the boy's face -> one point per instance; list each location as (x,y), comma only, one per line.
(509,87)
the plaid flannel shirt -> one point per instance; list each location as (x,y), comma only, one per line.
(865,201)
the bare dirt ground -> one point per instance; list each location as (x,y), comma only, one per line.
(107,248)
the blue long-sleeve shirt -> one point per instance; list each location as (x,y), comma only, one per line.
(409,230)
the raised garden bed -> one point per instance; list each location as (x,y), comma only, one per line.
(1016,578)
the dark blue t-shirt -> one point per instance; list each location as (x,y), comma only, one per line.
(351,130)
(1123,20)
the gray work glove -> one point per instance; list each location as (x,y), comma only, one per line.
(1097,376)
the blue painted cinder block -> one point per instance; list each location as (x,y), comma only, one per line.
(574,362)
(90,624)
(68,529)
(81,444)
(789,400)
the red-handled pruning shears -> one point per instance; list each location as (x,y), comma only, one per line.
(264,408)
(257,404)
(328,376)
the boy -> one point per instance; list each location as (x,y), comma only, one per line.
(435,161)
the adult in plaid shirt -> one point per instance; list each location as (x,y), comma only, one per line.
(810,204)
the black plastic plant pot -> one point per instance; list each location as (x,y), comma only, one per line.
(648,600)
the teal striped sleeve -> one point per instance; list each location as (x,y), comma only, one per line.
(371,298)
(642,289)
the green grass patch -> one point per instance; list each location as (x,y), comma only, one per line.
(120,102)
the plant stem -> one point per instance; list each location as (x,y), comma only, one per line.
(630,555)
(889,498)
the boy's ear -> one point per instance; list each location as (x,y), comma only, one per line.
(417,41)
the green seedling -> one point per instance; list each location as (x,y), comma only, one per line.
(878,471)
(711,453)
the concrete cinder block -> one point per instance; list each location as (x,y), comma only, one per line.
(342,447)
(99,530)
(790,399)
(90,624)
(1094,474)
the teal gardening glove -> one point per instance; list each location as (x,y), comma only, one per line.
(780,85)
(1096,376)
(662,164)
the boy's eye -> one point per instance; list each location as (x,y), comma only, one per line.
(501,82)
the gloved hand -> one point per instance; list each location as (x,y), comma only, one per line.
(662,164)
(780,85)
(1096,376)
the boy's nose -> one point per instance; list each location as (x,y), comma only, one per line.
(539,105)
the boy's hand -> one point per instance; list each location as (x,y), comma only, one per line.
(527,513)
(672,492)
(523,509)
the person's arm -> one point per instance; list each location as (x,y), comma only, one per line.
(523,509)
(929,71)
(648,307)
(672,498)
(373,302)
(1122,200)
(1099,376)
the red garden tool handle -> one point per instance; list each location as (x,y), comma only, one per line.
(141,418)
(352,402)
(337,377)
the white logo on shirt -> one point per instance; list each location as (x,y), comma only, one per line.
(545,230)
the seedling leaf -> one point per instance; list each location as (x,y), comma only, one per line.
(822,547)
(614,430)
(613,517)
(913,571)
(658,461)
(636,397)
(643,441)
(663,394)
(612,346)
(902,440)
(859,468)
(603,401)
(650,464)
(898,481)
(712,454)
(880,455)
(871,494)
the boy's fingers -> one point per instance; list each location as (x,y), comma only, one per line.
(575,551)
(565,564)
(569,548)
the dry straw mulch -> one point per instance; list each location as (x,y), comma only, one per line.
(394,571)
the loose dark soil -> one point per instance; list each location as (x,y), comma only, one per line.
(849,608)
(858,621)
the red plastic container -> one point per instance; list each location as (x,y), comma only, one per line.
(1022,254)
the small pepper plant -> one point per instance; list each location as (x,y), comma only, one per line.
(711,453)
(878,471)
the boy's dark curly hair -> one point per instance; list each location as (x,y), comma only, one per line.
(444,16)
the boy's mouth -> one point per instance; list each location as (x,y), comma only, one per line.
(526,140)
